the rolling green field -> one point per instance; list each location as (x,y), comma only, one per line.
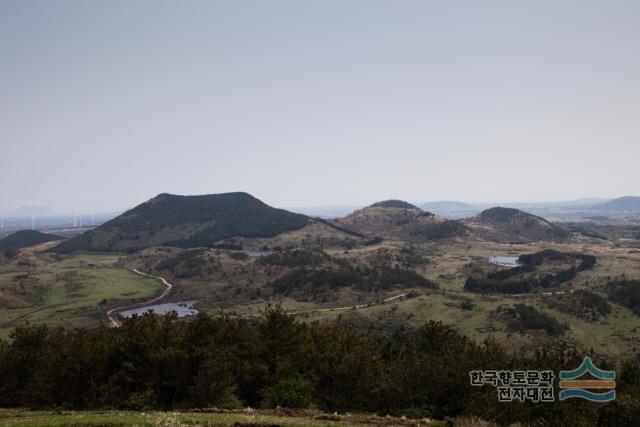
(69,292)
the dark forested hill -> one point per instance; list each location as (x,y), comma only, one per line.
(187,221)
(24,238)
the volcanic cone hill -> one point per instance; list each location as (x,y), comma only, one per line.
(394,219)
(508,225)
(187,221)
(393,203)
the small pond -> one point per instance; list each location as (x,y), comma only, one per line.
(182,308)
(258,253)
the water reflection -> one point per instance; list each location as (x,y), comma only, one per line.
(182,308)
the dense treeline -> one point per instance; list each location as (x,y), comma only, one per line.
(626,293)
(340,228)
(153,362)
(502,281)
(526,317)
(313,281)
(482,285)
(537,258)
(441,230)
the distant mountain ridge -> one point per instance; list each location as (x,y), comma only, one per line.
(187,221)
(446,204)
(621,204)
(451,209)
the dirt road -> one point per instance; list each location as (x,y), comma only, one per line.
(112,315)
(351,307)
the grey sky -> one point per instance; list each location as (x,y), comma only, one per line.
(104,104)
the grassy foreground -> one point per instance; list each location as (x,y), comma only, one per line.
(25,418)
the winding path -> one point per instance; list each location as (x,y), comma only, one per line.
(351,307)
(112,315)
(115,321)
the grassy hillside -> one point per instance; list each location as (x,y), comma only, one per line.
(402,224)
(187,221)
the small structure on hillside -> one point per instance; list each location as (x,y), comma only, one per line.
(504,261)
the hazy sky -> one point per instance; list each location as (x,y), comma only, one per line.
(104,104)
